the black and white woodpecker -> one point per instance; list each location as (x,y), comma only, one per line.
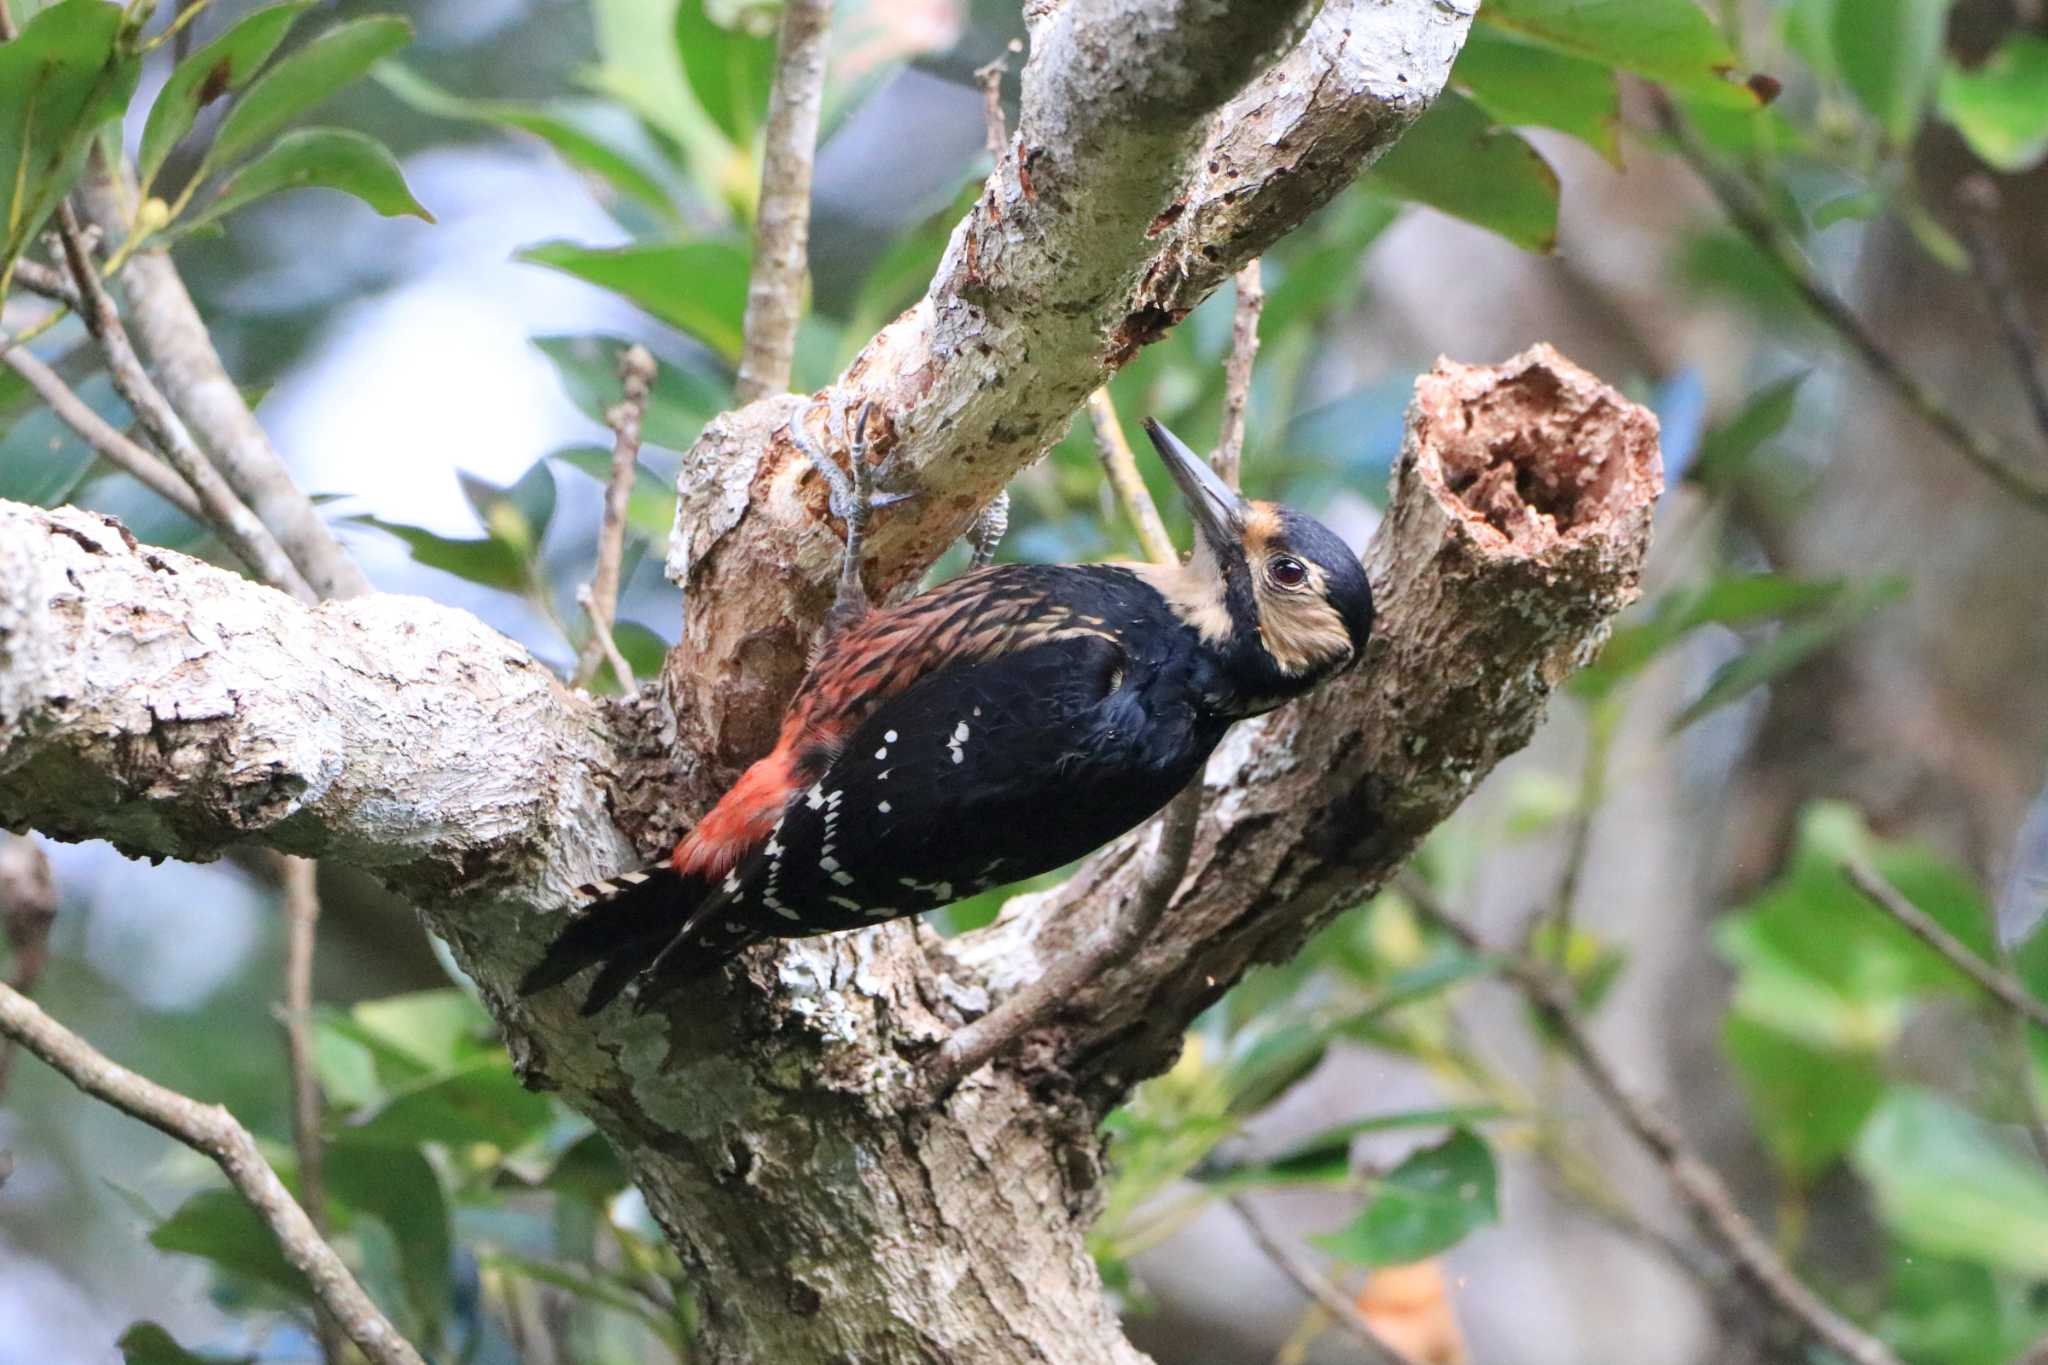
(995,727)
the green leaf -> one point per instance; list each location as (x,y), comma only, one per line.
(1787,650)
(584,150)
(488,561)
(67,73)
(42,460)
(644,649)
(1425,1205)
(1888,53)
(305,78)
(1671,41)
(1325,1159)
(1457,160)
(482,1102)
(1819,963)
(1809,1103)
(2001,107)
(518,513)
(1727,450)
(680,403)
(1947,1312)
(218,1226)
(650,507)
(700,287)
(1522,84)
(325,158)
(438,1030)
(593,1287)
(398,1187)
(224,65)
(1946,1185)
(145,1343)
(729,70)
(1738,599)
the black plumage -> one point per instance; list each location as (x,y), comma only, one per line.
(996,727)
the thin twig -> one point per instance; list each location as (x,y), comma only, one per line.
(1979,198)
(782,221)
(1995,979)
(1237,383)
(2000,986)
(213,1131)
(236,525)
(636,379)
(1035,1005)
(1316,1286)
(991,77)
(1600,723)
(191,379)
(1121,467)
(108,442)
(28,907)
(49,282)
(302,921)
(1697,1184)
(1739,200)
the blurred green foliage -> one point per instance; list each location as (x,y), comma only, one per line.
(465,1200)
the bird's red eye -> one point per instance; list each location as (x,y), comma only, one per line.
(1288,572)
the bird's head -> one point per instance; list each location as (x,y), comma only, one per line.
(1269,580)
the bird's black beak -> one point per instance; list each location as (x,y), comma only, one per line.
(1218,511)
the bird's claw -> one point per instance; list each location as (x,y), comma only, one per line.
(854,493)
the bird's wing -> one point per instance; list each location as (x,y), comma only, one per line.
(979,773)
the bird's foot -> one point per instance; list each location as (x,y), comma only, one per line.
(855,493)
(987,531)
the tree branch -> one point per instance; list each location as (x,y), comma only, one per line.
(2003,988)
(300,878)
(1120,467)
(1102,224)
(28,907)
(1709,1201)
(236,525)
(636,378)
(782,219)
(205,397)
(1978,195)
(108,443)
(1754,220)
(1317,1288)
(212,1131)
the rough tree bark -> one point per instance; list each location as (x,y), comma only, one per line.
(777,1121)
(826,1204)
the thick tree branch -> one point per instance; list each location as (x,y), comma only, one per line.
(782,220)
(779,1118)
(1520,510)
(212,1131)
(1144,171)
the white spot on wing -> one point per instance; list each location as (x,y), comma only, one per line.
(843,878)
(884,808)
(785,911)
(889,738)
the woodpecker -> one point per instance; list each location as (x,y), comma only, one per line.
(992,728)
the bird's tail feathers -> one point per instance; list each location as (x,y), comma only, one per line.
(627,923)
